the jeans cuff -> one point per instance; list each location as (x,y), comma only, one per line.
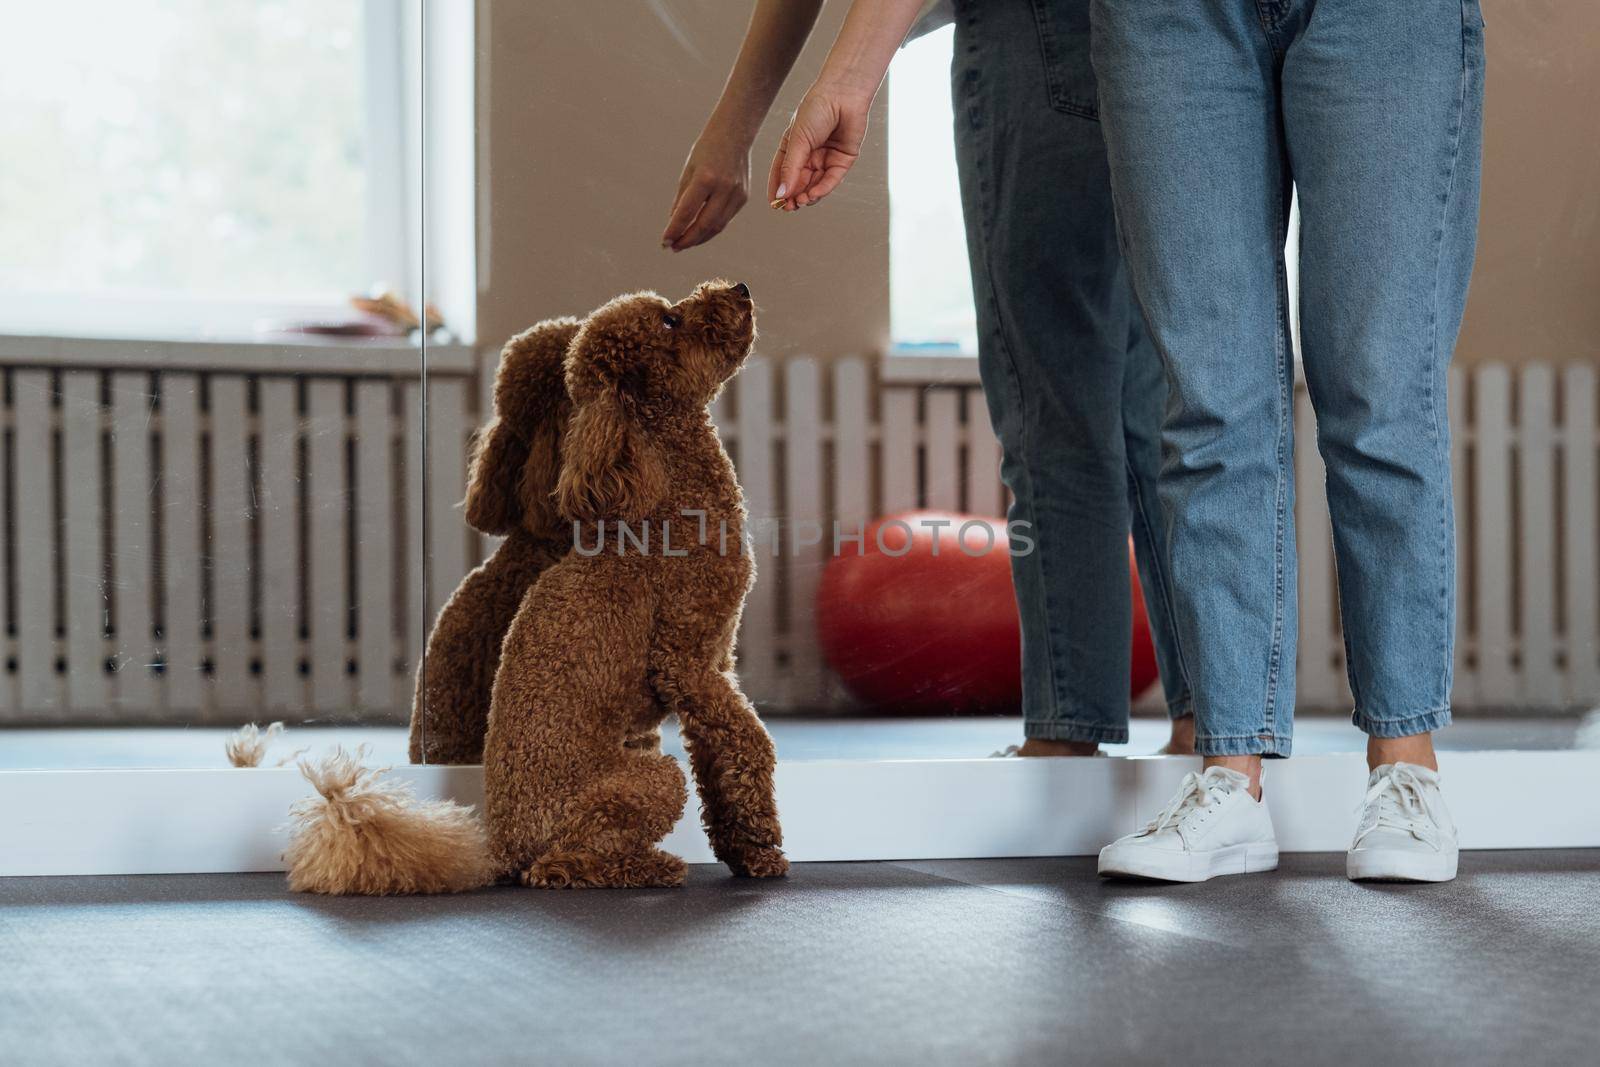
(1243,745)
(1181,707)
(1421,723)
(1067,730)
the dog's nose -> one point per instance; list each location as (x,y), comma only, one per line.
(742,289)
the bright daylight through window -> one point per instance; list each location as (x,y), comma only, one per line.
(930,288)
(216,162)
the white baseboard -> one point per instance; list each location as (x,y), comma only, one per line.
(192,821)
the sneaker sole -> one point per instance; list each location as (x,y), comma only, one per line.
(1393,865)
(1188,866)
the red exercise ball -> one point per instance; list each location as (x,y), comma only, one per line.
(923,618)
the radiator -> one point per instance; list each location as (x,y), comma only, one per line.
(205,533)
(219,533)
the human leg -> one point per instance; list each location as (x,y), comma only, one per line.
(1189,108)
(1383,117)
(1058,330)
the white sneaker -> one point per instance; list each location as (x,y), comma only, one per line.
(1212,826)
(1406,833)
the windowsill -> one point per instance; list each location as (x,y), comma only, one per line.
(911,366)
(287,354)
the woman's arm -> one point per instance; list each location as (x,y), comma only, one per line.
(716,178)
(824,137)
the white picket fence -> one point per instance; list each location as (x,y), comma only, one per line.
(206,533)
(832,440)
(215,533)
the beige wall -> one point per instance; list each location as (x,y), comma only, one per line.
(589,106)
(1536,292)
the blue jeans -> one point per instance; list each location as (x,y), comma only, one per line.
(1372,109)
(1074,386)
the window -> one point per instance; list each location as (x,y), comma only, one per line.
(930,287)
(192,167)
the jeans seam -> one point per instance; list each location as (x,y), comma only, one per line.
(1405,726)
(1081,731)
(1440,428)
(1188,707)
(1056,94)
(1142,528)
(1269,22)
(1266,743)
(1285,402)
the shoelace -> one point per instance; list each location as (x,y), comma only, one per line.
(1194,792)
(1399,801)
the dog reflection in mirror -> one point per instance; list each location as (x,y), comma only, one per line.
(515,463)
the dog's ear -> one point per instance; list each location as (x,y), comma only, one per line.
(514,464)
(609,468)
(495,478)
(540,471)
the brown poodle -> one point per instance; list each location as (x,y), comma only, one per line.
(515,462)
(608,642)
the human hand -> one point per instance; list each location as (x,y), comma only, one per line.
(713,187)
(822,143)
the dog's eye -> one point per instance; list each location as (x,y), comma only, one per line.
(670,320)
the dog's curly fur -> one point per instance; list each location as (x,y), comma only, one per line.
(511,483)
(605,645)
(515,463)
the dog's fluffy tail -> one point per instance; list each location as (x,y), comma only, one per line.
(248,745)
(365,834)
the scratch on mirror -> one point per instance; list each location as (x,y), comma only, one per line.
(674,27)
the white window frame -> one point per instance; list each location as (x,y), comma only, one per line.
(391,39)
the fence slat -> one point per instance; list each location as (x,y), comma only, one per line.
(181,562)
(131,551)
(415,620)
(942,446)
(851,476)
(1497,683)
(231,497)
(757,650)
(1536,537)
(852,458)
(1580,439)
(327,578)
(804,552)
(278,515)
(1320,684)
(375,618)
(8,649)
(1465,690)
(38,683)
(83,555)
(985,494)
(899,449)
(449,547)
